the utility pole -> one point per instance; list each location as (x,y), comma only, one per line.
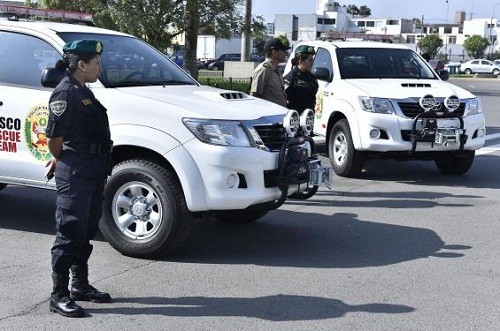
(492,44)
(246,33)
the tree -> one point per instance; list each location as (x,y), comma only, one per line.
(430,44)
(150,19)
(364,11)
(475,46)
(353,10)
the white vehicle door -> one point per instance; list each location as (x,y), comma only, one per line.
(486,66)
(323,59)
(23,107)
(475,66)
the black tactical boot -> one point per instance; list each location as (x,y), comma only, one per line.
(81,290)
(60,301)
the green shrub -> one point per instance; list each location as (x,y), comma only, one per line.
(242,85)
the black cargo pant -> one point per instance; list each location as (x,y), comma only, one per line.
(80,184)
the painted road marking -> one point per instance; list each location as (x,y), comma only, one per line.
(492,148)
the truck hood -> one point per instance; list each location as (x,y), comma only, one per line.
(208,102)
(405,88)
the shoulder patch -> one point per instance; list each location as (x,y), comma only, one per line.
(58,107)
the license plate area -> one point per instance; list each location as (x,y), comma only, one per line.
(319,175)
(447,132)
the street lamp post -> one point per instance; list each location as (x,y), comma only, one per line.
(491,27)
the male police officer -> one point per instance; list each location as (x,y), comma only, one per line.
(79,140)
(267,81)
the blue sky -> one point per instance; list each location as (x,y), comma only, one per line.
(434,11)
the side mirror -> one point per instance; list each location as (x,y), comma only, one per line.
(322,74)
(51,77)
(443,74)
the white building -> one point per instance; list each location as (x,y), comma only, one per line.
(331,20)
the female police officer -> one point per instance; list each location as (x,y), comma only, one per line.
(300,84)
(79,140)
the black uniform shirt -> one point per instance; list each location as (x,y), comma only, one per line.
(301,89)
(76,115)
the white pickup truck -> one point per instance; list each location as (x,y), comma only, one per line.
(383,100)
(181,150)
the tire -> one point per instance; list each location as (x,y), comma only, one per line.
(467,71)
(455,164)
(2,186)
(305,194)
(495,71)
(142,189)
(240,216)
(346,161)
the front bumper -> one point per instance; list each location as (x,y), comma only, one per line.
(236,177)
(397,130)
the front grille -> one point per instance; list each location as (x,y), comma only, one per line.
(412,109)
(273,136)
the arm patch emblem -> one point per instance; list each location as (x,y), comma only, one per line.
(58,107)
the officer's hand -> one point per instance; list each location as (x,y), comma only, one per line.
(51,164)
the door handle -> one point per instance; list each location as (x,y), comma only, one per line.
(1,103)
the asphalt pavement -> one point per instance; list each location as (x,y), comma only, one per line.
(401,248)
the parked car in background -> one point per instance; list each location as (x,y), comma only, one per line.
(219,65)
(221,58)
(256,57)
(497,62)
(178,59)
(480,66)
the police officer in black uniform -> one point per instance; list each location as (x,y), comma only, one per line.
(300,84)
(79,140)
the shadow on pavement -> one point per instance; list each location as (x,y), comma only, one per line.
(424,173)
(308,240)
(272,308)
(281,238)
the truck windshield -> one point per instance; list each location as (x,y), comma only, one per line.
(128,61)
(366,63)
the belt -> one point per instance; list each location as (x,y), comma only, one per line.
(98,148)
(93,148)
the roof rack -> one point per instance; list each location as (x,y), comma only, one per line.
(16,12)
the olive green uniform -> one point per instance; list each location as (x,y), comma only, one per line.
(267,83)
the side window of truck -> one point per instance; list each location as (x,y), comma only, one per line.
(323,59)
(23,59)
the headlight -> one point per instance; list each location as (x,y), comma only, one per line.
(218,132)
(452,103)
(376,105)
(472,106)
(291,123)
(307,121)
(427,102)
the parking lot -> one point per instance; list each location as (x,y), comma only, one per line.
(402,248)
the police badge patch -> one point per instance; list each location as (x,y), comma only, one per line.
(58,107)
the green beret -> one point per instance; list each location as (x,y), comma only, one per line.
(83,46)
(305,49)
